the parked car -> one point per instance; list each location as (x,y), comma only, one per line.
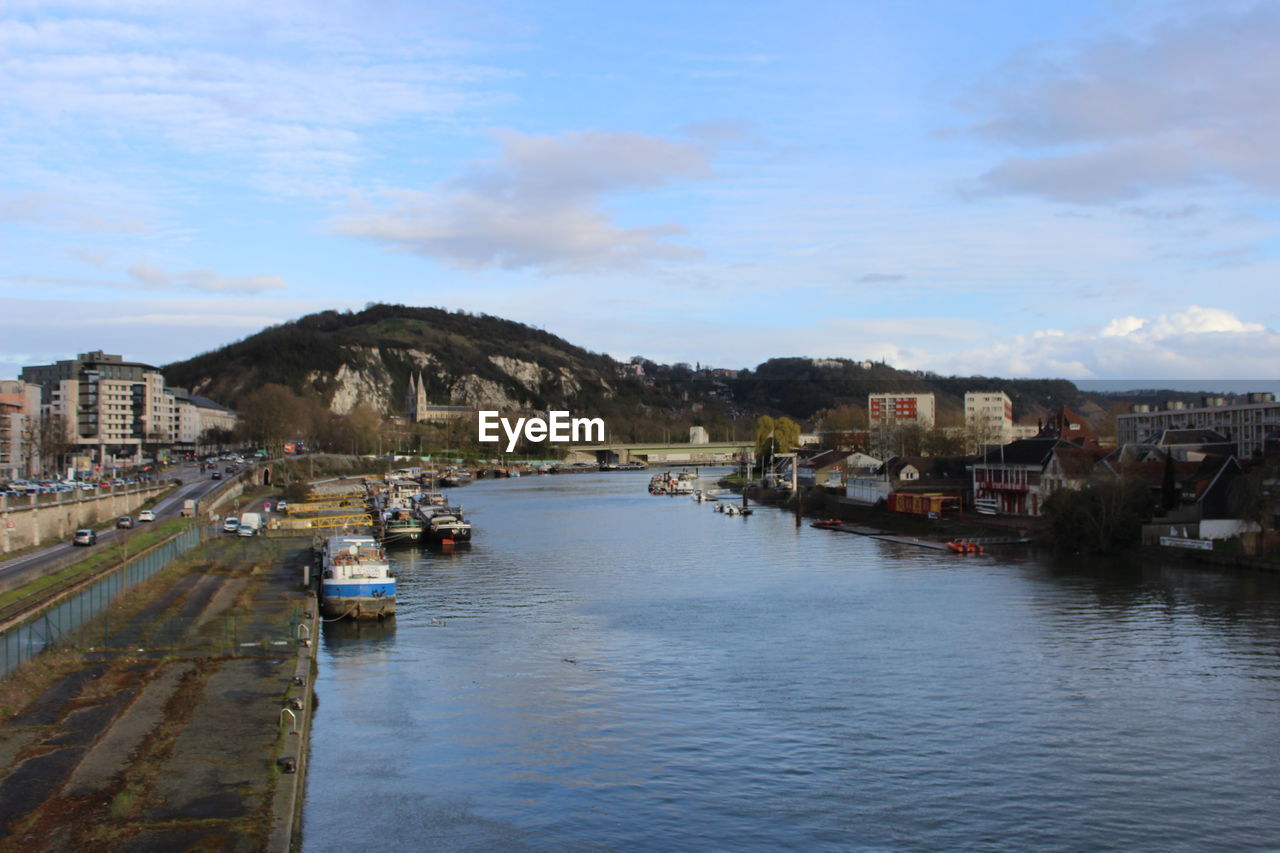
(146,515)
(85,537)
(231,524)
(124,522)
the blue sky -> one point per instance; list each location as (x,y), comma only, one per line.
(1085,189)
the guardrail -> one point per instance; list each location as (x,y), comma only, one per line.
(43,501)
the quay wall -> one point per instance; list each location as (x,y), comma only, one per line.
(35,520)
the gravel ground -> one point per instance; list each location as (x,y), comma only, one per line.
(159,729)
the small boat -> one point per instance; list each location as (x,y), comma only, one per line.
(827,523)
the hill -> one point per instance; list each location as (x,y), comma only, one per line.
(342,359)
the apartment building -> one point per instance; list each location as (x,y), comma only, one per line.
(989,416)
(112,408)
(902,409)
(196,416)
(19,416)
(1247,420)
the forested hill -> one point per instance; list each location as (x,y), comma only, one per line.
(342,359)
(800,387)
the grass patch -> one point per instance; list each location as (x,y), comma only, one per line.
(123,802)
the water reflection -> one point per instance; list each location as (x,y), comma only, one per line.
(604,669)
(346,635)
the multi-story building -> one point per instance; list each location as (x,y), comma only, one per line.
(988,416)
(902,409)
(197,416)
(19,423)
(112,408)
(1246,421)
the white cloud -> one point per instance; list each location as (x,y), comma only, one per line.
(1197,343)
(66,210)
(539,205)
(151,277)
(146,276)
(1122,326)
(291,89)
(1188,102)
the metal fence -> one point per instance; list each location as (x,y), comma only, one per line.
(23,642)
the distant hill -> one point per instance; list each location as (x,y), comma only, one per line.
(799,387)
(369,356)
(346,358)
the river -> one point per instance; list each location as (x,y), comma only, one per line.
(606,670)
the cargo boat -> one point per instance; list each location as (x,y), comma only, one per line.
(356,579)
(444,525)
(401,527)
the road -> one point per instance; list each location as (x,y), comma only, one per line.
(195,485)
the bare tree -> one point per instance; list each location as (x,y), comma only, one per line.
(272,414)
(45,442)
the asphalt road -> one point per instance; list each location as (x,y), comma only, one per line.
(195,485)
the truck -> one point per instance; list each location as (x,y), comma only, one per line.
(190,507)
(251,519)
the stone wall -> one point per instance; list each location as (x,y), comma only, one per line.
(26,521)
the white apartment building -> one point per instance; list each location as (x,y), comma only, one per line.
(989,415)
(1247,421)
(197,415)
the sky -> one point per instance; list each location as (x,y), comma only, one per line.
(1084,190)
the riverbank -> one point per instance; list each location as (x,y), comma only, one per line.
(162,725)
(818,504)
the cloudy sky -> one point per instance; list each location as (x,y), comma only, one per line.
(1085,189)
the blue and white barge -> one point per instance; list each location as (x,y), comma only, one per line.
(356,579)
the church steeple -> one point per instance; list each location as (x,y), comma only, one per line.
(415,399)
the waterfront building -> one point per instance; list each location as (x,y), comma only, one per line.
(111,408)
(1010,479)
(1247,420)
(833,467)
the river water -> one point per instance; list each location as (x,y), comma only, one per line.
(606,670)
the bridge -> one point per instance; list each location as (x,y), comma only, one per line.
(655,453)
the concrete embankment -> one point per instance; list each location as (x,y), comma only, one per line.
(37,520)
(163,724)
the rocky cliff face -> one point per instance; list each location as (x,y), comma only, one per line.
(372,357)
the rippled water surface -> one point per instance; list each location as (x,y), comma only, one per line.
(606,670)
